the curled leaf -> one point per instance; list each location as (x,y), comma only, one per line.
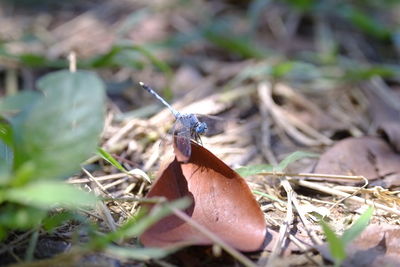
(222,202)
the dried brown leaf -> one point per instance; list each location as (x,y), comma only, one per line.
(370,157)
(222,202)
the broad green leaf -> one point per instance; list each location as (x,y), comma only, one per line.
(254,169)
(292,158)
(105,155)
(46,194)
(11,105)
(336,245)
(355,230)
(23,174)
(63,127)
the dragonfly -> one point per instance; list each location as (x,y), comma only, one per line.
(186,128)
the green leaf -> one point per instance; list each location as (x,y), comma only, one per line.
(292,158)
(63,127)
(268,196)
(135,226)
(366,23)
(6,162)
(129,56)
(261,168)
(161,65)
(135,172)
(355,230)
(16,103)
(6,134)
(14,216)
(40,61)
(254,169)
(105,155)
(220,34)
(156,214)
(365,73)
(45,195)
(51,222)
(238,45)
(281,69)
(107,59)
(6,152)
(302,5)
(336,245)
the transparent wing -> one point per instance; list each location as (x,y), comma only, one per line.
(215,124)
(182,134)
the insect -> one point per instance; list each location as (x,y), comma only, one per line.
(186,127)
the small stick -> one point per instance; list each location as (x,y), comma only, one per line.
(100,178)
(332,191)
(284,229)
(101,187)
(317,175)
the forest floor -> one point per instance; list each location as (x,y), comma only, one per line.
(270,77)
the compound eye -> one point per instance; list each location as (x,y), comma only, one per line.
(202,128)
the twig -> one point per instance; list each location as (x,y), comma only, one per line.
(100,178)
(120,134)
(304,220)
(115,183)
(265,131)
(20,239)
(353,194)
(284,229)
(332,191)
(289,123)
(317,175)
(100,186)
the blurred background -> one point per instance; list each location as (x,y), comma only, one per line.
(212,57)
(270,77)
